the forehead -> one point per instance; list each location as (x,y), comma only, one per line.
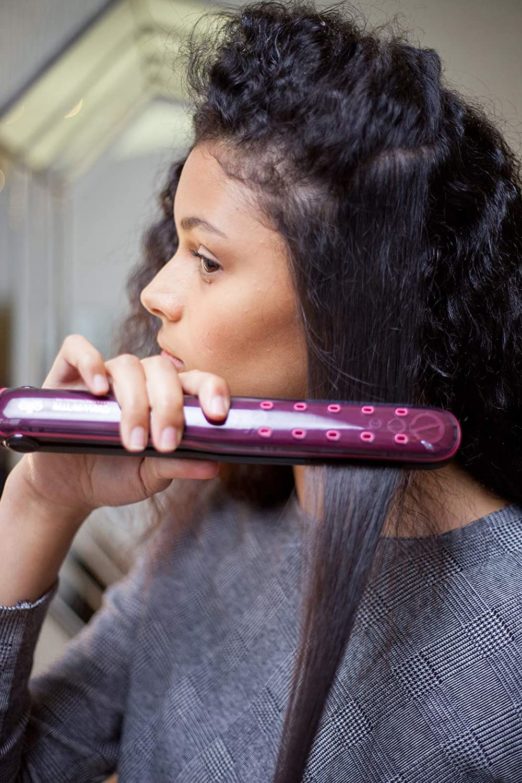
(207,191)
(204,187)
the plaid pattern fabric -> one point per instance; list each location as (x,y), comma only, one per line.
(185,678)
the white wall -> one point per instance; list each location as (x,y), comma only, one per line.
(111,206)
(479,43)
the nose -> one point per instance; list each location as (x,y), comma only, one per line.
(162,297)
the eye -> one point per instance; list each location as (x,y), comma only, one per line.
(205,263)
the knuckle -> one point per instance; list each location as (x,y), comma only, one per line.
(128,360)
(153,359)
(90,361)
(86,355)
(123,361)
(194,375)
(158,363)
(223,386)
(110,363)
(218,385)
(70,339)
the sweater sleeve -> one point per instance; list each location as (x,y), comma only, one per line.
(65,724)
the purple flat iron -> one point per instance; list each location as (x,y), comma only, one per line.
(276,431)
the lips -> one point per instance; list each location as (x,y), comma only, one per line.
(174,359)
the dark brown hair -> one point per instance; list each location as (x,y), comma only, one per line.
(401,207)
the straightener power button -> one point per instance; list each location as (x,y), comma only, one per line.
(21,443)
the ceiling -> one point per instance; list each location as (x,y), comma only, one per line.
(117,78)
(116,81)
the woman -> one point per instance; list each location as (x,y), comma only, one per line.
(343,227)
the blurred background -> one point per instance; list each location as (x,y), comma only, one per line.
(92,111)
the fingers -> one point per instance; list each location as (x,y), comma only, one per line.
(154,468)
(78,360)
(212,391)
(150,396)
(166,401)
(149,391)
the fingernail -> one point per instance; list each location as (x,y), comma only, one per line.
(137,438)
(99,383)
(217,406)
(168,439)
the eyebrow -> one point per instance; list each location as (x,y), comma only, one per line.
(192,222)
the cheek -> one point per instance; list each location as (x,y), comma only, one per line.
(255,342)
(231,327)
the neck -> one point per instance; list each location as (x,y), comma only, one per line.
(450,498)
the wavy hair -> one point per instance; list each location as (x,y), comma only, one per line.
(400,204)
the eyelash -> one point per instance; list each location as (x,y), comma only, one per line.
(209,261)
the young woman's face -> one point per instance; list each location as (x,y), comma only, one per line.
(233,313)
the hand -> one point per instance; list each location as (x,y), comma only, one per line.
(150,394)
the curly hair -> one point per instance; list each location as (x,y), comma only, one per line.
(400,203)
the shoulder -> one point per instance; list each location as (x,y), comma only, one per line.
(464,579)
(446,616)
(432,674)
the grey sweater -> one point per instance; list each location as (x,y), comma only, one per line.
(183,673)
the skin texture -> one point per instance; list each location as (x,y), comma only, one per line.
(239,320)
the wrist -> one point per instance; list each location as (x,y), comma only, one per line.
(19,490)
(36,535)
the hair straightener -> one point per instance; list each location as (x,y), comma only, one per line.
(273,431)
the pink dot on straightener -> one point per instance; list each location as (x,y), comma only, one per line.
(333,434)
